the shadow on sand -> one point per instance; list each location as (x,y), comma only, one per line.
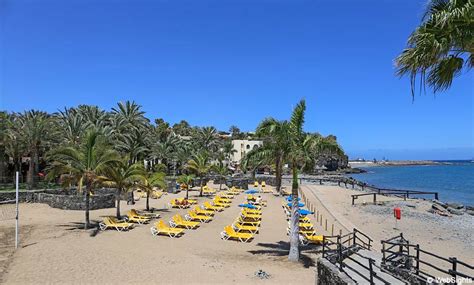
(282,248)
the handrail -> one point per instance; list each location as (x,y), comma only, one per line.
(404,251)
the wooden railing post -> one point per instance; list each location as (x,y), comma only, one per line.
(417,259)
(454,261)
(339,252)
(375,198)
(354,237)
(383,252)
(371,271)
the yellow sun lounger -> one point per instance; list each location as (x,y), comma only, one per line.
(109,222)
(253,212)
(201,211)
(263,184)
(161,229)
(307,239)
(243,228)
(145,215)
(208,206)
(255,184)
(178,221)
(219,203)
(156,194)
(230,233)
(136,219)
(241,221)
(193,216)
(190,201)
(250,217)
(173,204)
(222,199)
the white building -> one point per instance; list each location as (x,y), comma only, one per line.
(241,147)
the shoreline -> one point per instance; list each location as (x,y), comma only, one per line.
(431,231)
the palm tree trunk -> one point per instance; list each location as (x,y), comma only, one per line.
(295,217)
(31,170)
(148,200)
(278,172)
(200,194)
(187,192)
(88,194)
(117,198)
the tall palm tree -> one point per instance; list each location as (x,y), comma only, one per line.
(72,125)
(199,165)
(220,169)
(35,129)
(441,47)
(84,164)
(148,180)
(129,114)
(296,156)
(276,147)
(122,177)
(186,180)
(207,138)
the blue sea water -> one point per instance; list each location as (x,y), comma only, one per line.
(454,182)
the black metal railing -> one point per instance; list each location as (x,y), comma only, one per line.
(339,248)
(409,259)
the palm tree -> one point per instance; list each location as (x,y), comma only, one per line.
(199,165)
(122,177)
(296,156)
(186,180)
(130,115)
(228,150)
(147,180)
(276,145)
(72,125)
(35,127)
(207,138)
(84,164)
(220,169)
(441,47)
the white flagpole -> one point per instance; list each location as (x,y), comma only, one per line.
(16,218)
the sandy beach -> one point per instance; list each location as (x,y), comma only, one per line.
(53,250)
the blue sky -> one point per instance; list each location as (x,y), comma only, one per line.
(235,62)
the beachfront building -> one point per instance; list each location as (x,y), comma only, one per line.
(241,147)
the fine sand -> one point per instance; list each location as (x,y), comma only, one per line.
(445,236)
(53,250)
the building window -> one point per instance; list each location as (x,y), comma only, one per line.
(248,146)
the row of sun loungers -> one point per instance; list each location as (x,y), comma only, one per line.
(307,232)
(132,218)
(194,217)
(245,226)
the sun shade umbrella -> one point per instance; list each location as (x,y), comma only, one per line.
(299,204)
(290,198)
(247,206)
(305,212)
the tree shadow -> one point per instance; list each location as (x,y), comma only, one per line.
(94,226)
(282,248)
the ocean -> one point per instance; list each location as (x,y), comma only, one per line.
(454,181)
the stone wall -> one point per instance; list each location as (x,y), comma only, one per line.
(76,202)
(23,196)
(66,199)
(329,274)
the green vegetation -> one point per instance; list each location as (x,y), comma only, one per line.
(286,142)
(441,47)
(88,148)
